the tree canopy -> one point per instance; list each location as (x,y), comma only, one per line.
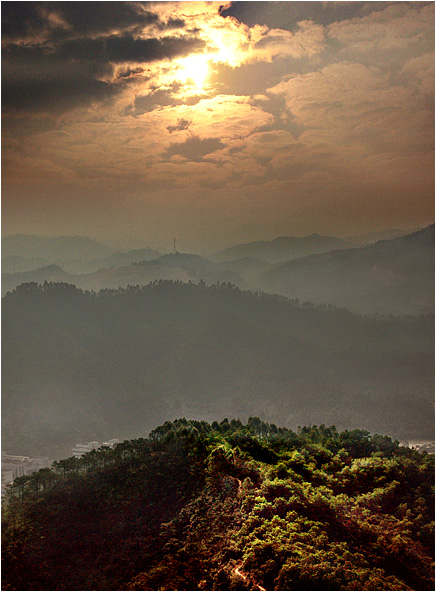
(226,506)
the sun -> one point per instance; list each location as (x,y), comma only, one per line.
(194,69)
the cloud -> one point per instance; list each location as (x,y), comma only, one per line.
(419,72)
(194,148)
(90,18)
(154,99)
(48,44)
(397,27)
(81,71)
(58,56)
(52,85)
(308,41)
(182,124)
(357,105)
(51,21)
(307,108)
(287,15)
(22,19)
(125,48)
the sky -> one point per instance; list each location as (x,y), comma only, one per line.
(216,122)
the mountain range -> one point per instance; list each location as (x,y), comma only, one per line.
(178,266)
(392,276)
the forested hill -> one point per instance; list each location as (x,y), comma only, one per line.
(226,506)
(79,366)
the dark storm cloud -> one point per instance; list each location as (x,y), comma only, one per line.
(63,90)
(128,49)
(99,17)
(195,149)
(24,19)
(286,15)
(52,61)
(20,19)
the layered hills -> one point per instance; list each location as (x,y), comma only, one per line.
(393,276)
(226,506)
(85,366)
(177,266)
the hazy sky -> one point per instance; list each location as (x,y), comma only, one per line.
(216,122)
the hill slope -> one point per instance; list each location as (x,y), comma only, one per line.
(226,507)
(80,366)
(390,277)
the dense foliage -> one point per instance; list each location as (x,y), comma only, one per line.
(226,506)
(80,366)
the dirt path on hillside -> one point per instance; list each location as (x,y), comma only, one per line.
(238,572)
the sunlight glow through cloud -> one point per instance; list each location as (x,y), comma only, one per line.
(195,68)
(268,115)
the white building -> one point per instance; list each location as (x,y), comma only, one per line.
(19,466)
(81,449)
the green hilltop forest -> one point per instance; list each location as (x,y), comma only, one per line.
(226,506)
(80,365)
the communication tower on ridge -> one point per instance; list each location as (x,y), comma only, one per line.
(174,246)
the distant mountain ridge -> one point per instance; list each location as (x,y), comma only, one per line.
(391,276)
(284,248)
(179,266)
(373,237)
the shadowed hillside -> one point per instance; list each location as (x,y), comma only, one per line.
(90,366)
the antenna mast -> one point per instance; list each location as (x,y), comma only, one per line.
(174,246)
